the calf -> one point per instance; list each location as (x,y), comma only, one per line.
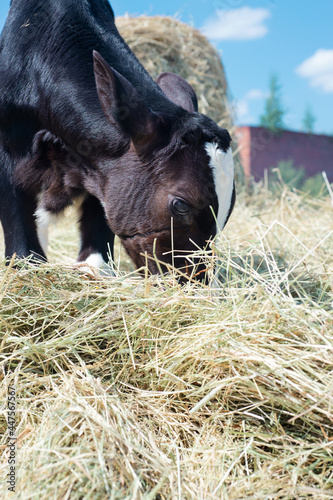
(81,119)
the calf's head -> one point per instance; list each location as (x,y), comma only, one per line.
(172,187)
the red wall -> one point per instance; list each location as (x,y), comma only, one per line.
(261,149)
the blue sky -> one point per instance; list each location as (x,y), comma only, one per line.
(257,38)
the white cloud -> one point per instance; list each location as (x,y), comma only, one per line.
(319,70)
(245,23)
(255,94)
(242,108)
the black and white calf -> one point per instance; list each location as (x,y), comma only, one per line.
(81,119)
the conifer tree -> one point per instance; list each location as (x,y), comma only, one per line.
(309,120)
(272,119)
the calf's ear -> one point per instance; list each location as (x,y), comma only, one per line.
(178,90)
(124,107)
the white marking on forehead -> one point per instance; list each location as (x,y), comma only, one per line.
(223,169)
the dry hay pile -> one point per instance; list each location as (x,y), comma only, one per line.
(165,44)
(136,388)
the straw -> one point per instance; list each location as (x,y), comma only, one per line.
(132,387)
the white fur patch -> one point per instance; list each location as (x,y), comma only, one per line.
(43,220)
(223,168)
(95,261)
(43,236)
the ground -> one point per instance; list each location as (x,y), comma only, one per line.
(136,387)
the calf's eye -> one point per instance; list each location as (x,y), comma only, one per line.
(180,207)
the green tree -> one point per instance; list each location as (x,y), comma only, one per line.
(309,120)
(274,110)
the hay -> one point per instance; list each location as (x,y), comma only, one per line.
(165,44)
(139,388)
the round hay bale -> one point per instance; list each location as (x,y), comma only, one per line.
(165,44)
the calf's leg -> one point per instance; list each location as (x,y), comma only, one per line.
(97,239)
(17,210)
